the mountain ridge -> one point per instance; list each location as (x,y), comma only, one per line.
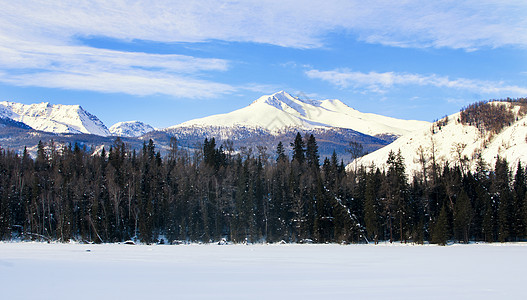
(281,110)
(455,141)
(268,120)
(55,118)
(130,129)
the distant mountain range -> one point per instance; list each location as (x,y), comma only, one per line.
(267,121)
(277,118)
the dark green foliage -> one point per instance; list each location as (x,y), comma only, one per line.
(372,205)
(397,197)
(67,193)
(518,207)
(440,235)
(462,217)
(312,156)
(298,149)
(280,152)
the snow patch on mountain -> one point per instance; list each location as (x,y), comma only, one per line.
(450,141)
(130,129)
(281,110)
(54,118)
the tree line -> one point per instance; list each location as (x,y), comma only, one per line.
(251,195)
(490,117)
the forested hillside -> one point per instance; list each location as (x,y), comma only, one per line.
(483,131)
(212,194)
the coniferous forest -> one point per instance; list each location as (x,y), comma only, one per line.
(251,195)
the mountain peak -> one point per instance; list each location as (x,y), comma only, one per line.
(130,129)
(284,97)
(56,118)
(282,110)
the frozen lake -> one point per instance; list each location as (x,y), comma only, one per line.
(78,271)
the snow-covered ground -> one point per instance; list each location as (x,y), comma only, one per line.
(79,271)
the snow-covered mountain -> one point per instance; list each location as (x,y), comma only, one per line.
(130,129)
(54,118)
(453,141)
(280,111)
(266,122)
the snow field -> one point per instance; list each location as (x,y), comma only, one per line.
(114,271)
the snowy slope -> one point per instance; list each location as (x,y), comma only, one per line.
(452,141)
(281,110)
(130,129)
(55,118)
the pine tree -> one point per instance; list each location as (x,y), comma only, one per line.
(397,194)
(462,217)
(440,235)
(488,221)
(280,152)
(312,156)
(371,206)
(503,197)
(519,190)
(298,149)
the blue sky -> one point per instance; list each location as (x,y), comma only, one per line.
(165,62)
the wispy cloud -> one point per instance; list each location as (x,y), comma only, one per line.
(140,83)
(41,39)
(102,70)
(295,23)
(381,82)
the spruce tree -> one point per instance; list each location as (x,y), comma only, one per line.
(298,149)
(462,217)
(397,194)
(440,235)
(371,206)
(503,198)
(312,156)
(519,190)
(280,152)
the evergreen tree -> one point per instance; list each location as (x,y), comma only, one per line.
(397,191)
(462,217)
(503,198)
(298,149)
(372,206)
(440,235)
(280,152)
(519,191)
(312,156)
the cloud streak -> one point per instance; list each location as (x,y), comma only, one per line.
(109,71)
(380,82)
(454,24)
(42,39)
(294,23)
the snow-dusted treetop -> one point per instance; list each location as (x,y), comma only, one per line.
(130,129)
(281,110)
(54,118)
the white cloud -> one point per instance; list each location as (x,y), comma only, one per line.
(43,38)
(140,83)
(102,70)
(380,82)
(294,23)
